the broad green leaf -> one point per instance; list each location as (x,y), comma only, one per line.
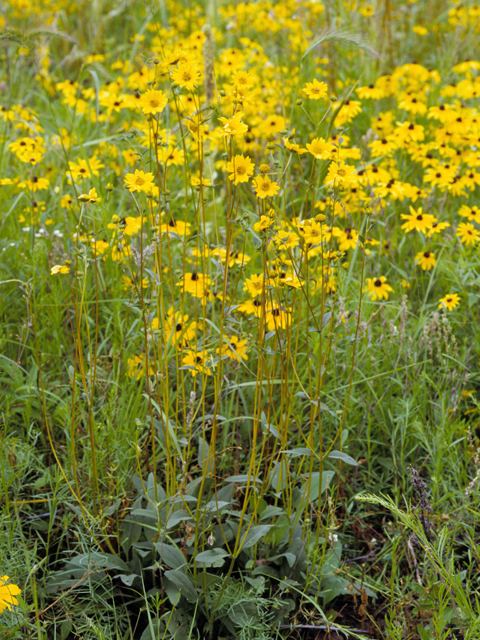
(255,534)
(183,583)
(212,557)
(97,560)
(171,555)
(172,591)
(318,484)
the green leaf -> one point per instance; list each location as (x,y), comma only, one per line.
(204,459)
(144,516)
(128,579)
(65,629)
(97,560)
(173,593)
(183,584)
(241,479)
(212,557)
(278,475)
(299,451)
(216,506)
(178,516)
(344,457)
(155,629)
(255,534)
(171,555)
(318,484)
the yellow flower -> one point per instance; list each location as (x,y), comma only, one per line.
(420,30)
(285,240)
(276,317)
(254,285)
(416,220)
(197,181)
(234,126)
(426,260)
(449,302)
(91,197)
(35,184)
(264,187)
(133,224)
(66,201)
(316,90)
(468,234)
(120,251)
(60,269)
(293,146)
(186,76)
(177,227)
(83,168)
(367,11)
(319,148)
(140,181)
(437,227)
(265,222)
(240,169)
(177,328)
(136,367)
(471,213)
(347,238)
(130,156)
(8,594)
(130,283)
(378,288)
(29,150)
(153,102)
(197,362)
(197,284)
(234,348)
(341,174)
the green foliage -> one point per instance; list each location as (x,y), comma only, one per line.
(328,485)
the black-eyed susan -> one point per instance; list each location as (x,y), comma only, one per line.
(234,348)
(449,302)
(198,362)
(469,235)
(378,288)
(417,220)
(426,260)
(195,283)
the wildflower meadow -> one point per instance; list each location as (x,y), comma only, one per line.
(239,320)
